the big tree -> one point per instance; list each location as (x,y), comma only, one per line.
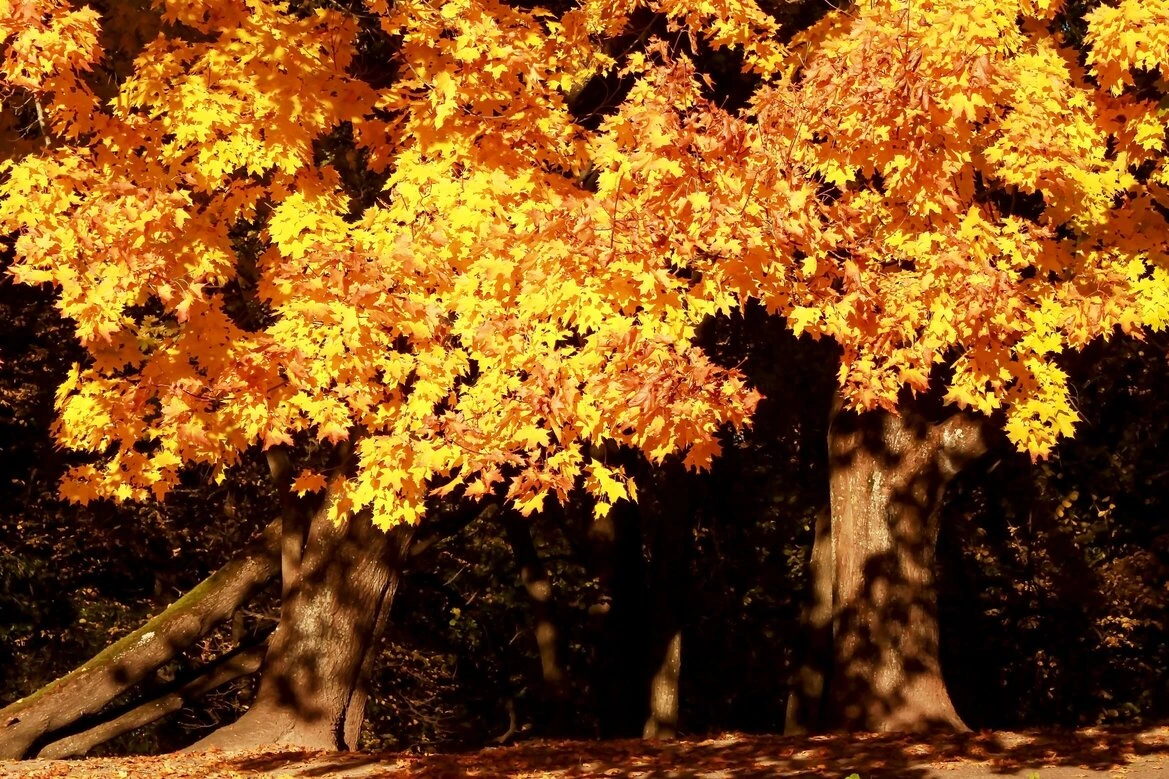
(363,232)
(956,193)
(388,232)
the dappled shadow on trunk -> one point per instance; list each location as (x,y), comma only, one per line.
(313,682)
(834,757)
(888,475)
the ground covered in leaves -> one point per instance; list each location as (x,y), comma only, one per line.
(1043,754)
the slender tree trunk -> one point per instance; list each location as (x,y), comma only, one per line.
(664,697)
(888,474)
(549,637)
(672,518)
(296,514)
(244,662)
(809,686)
(312,685)
(87,689)
(619,564)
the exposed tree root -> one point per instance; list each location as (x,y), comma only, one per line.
(88,688)
(244,662)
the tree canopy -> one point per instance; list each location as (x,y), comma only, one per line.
(402,226)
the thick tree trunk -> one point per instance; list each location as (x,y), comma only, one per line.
(87,689)
(312,685)
(887,480)
(65,718)
(809,685)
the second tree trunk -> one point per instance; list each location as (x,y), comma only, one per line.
(888,474)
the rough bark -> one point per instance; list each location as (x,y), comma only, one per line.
(887,480)
(87,689)
(809,685)
(242,663)
(664,698)
(312,686)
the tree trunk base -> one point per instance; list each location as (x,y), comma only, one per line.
(312,686)
(261,728)
(888,477)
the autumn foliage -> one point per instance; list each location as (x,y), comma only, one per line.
(394,225)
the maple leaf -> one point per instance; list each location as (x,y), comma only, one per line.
(526,286)
(308,481)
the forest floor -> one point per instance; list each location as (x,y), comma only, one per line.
(1045,754)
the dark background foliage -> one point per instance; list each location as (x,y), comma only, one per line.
(1054,576)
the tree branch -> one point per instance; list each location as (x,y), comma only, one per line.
(241,662)
(88,688)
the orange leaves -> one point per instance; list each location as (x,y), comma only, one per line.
(47,48)
(483,64)
(220,107)
(308,481)
(469,329)
(1127,36)
(982,200)
(45,42)
(926,182)
(735,24)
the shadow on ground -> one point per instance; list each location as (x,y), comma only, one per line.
(1070,753)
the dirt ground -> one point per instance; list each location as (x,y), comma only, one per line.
(1136,754)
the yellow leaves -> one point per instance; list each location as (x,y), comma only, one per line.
(250,101)
(979,379)
(301,221)
(1037,421)
(804,319)
(1127,36)
(1042,9)
(532,504)
(837,174)
(1051,143)
(443,96)
(1044,336)
(935,183)
(1150,131)
(46,47)
(607,484)
(966,106)
(506,78)
(466,325)
(933,129)
(533,437)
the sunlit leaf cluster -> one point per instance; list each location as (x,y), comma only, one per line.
(949,190)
